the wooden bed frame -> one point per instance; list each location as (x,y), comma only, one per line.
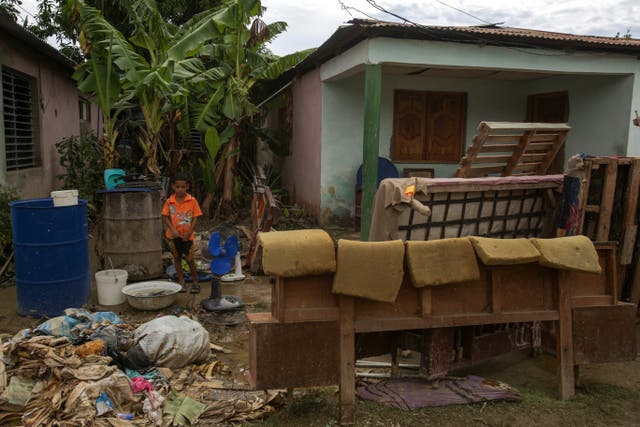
(309,338)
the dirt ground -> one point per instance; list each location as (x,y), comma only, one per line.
(609,394)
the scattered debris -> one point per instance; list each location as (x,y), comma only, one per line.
(80,379)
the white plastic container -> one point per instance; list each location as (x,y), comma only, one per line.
(109,284)
(65,198)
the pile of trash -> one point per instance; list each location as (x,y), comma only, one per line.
(92,369)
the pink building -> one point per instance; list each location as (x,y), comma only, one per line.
(39,106)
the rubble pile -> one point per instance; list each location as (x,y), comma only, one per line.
(75,370)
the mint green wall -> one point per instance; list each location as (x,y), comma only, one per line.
(342,133)
(599,111)
(602,96)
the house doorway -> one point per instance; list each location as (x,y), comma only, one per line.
(552,107)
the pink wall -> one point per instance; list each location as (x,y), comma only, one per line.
(301,170)
(59,115)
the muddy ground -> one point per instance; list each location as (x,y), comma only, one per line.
(609,394)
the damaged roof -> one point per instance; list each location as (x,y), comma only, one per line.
(358,30)
(9,26)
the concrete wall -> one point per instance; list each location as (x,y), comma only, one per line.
(599,112)
(602,93)
(58,117)
(301,169)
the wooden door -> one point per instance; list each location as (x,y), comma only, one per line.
(552,107)
(409,125)
(445,126)
(428,127)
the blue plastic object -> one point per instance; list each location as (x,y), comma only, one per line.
(51,247)
(113,177)
(386,169)
(223,260)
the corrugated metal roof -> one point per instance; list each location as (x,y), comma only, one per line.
(357,30)
(29,39)
(514,33)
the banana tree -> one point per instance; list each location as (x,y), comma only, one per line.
(98,78)
(157,76)
(241,53)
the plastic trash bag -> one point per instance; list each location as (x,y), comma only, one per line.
(75,321)
(173,342)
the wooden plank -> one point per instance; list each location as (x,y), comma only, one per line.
(590,300)
(630,210)
(592,209)
(324,314)
(496,294)
(525,126)
(628,244)
(553,152)
(518,152)
(493,159)
(483,171)
(606,203)
(527,167)
(425,306)
(472,152)
(533,157)
(612,275)
(505,138)
(604,333)
(635,285)
(584,194)
(471,185)
(498,148)
(278,298)
(378,324)
(347,361)
(564,338)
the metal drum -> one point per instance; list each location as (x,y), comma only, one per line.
(133,232)
(51,247)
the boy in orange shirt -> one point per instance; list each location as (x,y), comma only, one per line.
(180,213)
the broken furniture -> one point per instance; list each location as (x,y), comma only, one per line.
(264,213)
(600,200)
(509,148)
(311,335)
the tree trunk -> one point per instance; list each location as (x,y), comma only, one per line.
(227,192)
(206,205)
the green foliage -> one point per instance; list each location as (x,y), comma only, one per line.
(84,166)
(10,7)
(7,195)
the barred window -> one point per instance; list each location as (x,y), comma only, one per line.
(20,120)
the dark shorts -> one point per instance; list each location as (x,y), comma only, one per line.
(181,248)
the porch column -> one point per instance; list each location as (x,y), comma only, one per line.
(371,143)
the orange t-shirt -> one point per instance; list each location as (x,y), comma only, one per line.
(181,214)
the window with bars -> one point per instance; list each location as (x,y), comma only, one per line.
(20,122)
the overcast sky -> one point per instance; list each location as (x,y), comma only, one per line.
(311,22)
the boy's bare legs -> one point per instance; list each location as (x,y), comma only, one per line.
(178,263)
(195,285)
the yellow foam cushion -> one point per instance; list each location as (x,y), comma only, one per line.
(504,251)
(568,253)
(438,262)
(297,253)
(372,270)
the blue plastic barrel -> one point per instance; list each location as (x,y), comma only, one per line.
(51,252)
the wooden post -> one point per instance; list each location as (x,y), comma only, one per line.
(371,144)
(347,348)
(606,203)
(564,339)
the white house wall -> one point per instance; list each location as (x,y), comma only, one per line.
(602,97)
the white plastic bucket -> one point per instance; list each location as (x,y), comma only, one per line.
(110,284)
(65,198)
